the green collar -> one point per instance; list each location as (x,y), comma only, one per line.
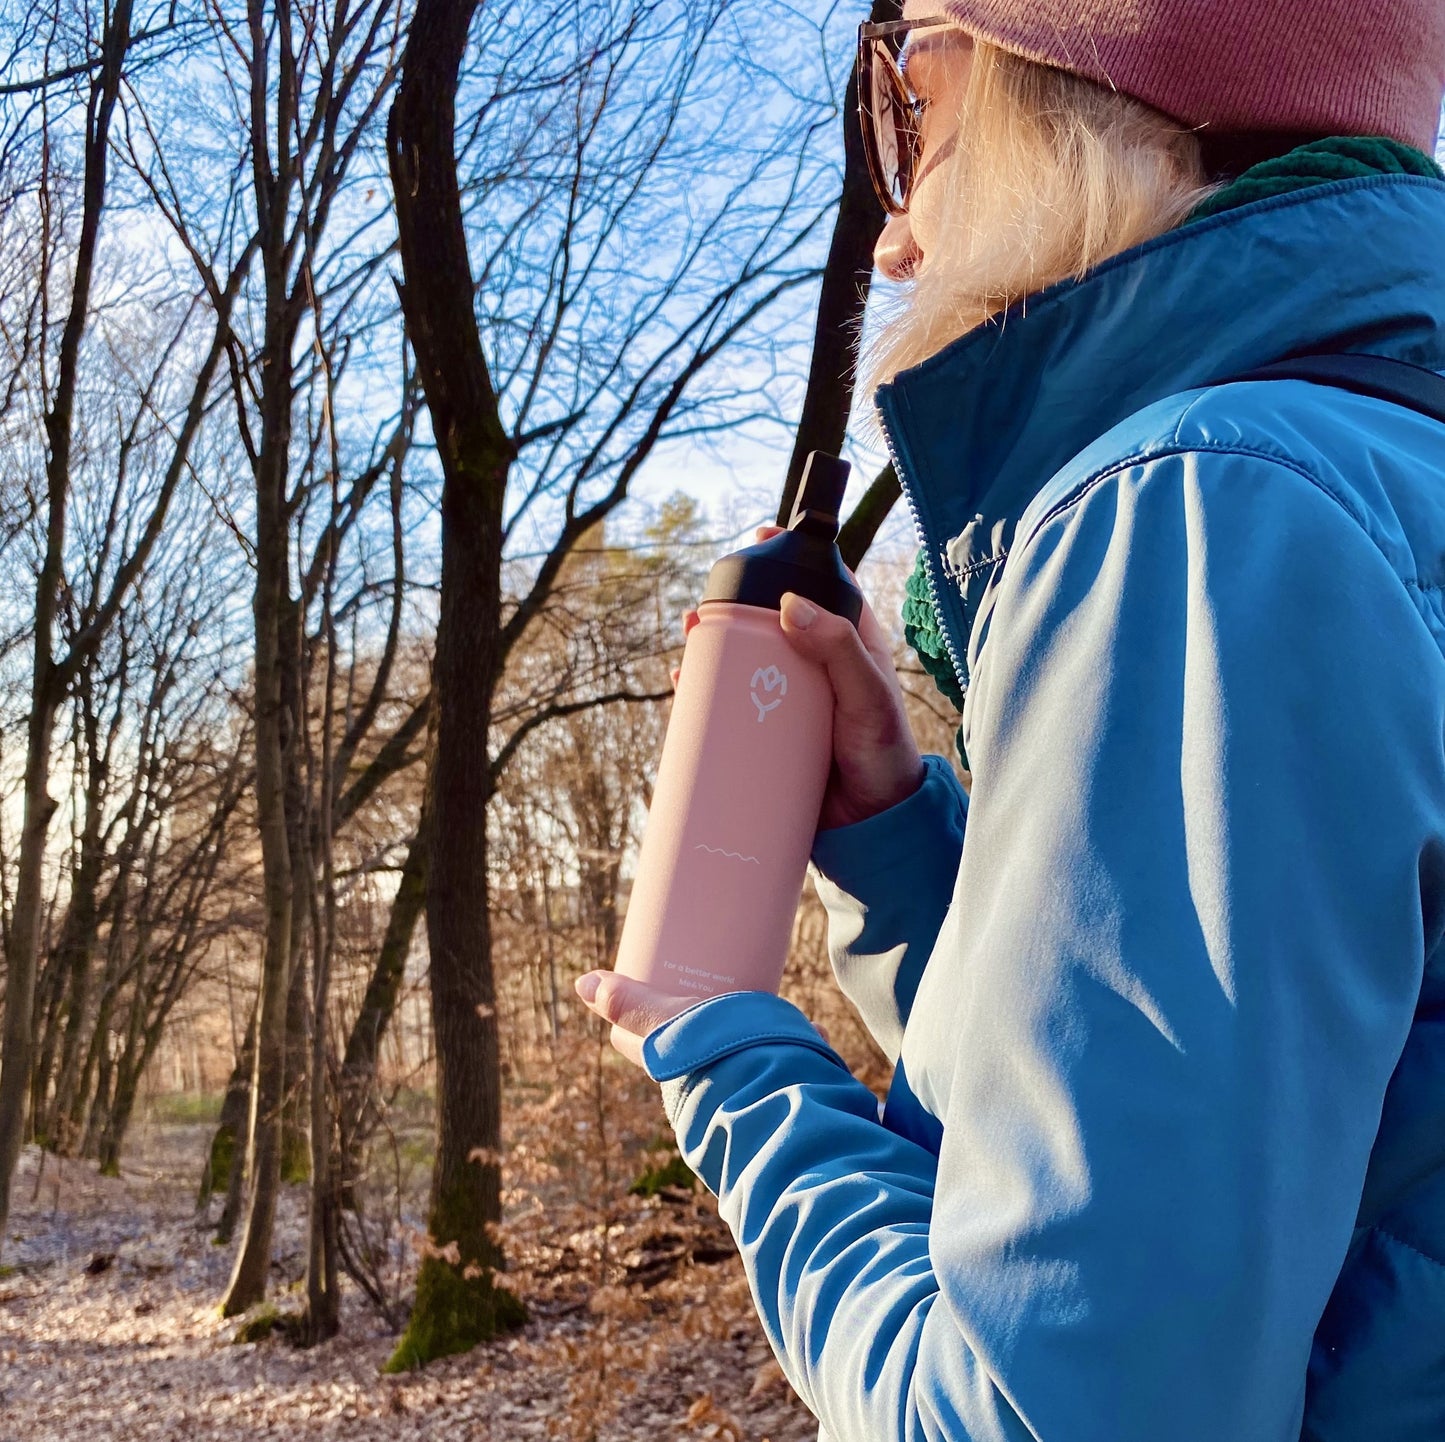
(1340,158)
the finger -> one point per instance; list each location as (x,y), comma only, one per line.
(689,621)
(861,686)
(631,1005)
(675,673)
(874,638)
(629,1044)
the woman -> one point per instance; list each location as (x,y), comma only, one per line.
(1164,1156)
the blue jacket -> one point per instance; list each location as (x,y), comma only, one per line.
(1164,1156)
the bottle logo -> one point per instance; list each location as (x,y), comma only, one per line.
(770,679)
(722,851)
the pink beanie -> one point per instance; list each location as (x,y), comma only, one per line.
(1319,67)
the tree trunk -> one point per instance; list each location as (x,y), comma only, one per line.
(847,275)
(226,1154)
(77,949)
(553,1004)
(128,1068)
(868,515)
(272,606)
(117,1120)
(295,1147)
(16,1053)
(47,684)
(268,1079)
(357,1100)
(322,1317)
(275,738)
(458,1301)
(96,1100)
(100,1057)
(49,998)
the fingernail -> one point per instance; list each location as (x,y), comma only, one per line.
(799,612)
(587,986)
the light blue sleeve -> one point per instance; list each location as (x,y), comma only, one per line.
(886,884)
(1158,1026)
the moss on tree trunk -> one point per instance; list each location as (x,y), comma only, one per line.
(458,1304)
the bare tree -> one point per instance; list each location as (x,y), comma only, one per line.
(159,763)
(52,673)
(307,84)
(589,361)
(49,679)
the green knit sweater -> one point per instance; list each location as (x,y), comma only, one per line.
(1317,163)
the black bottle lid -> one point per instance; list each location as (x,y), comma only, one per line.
(804,559)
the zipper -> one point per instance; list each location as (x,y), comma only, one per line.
(960,671)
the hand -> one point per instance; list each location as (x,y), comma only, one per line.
(876,762)
(633,1008)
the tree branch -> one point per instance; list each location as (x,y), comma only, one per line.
(553,712)
(395,755)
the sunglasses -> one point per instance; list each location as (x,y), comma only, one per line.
(888,113)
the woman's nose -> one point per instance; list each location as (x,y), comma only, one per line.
(897,254)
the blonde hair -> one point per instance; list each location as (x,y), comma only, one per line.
(1050,174)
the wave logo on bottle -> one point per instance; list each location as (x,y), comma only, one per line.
(770,679)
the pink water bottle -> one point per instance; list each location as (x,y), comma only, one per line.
(744,765)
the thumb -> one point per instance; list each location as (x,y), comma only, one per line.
(834,643)
(630,1004)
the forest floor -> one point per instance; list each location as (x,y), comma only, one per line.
(641,1322)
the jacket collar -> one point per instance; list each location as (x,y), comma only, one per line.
(977,430)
